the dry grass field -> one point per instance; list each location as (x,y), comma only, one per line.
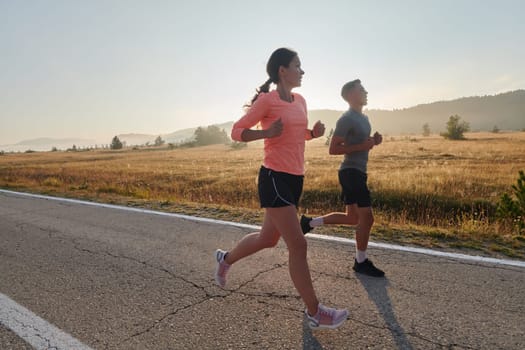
(426,190)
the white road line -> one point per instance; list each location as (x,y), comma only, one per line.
(34,330)
(473,258)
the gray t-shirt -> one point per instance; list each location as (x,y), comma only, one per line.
(355,128)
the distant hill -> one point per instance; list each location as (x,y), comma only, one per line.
(42,141)
(46,144)
(174,137)
(506,111)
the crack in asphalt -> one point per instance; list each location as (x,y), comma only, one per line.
(207,295)
(260,297)
(265,302)
(160,320)
(400,335)
(397,333)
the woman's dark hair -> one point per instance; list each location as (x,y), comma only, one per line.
(280,57)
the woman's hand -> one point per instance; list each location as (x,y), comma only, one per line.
(275,129)
(318,129)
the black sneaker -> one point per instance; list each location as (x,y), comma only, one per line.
(367,268)
(305,224)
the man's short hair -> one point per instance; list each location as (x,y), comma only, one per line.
(349,86)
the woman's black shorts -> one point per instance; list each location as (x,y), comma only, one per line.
(354,188)
(278,189)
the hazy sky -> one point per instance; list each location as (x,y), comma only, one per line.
(93,69)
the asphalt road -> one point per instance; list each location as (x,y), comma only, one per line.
(115,279)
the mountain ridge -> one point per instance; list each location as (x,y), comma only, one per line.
(506,111)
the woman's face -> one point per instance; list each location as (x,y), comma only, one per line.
(293,74)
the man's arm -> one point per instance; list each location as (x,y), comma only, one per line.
(338,146)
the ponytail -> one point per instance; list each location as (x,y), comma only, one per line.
(263,88)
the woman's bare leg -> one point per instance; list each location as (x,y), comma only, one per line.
(253,242)
(284,219)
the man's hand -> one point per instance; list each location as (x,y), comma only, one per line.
(318,129)
(378,138)
(275,129)
(368,144)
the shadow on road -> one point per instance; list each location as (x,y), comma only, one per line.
(310,342)
(377,292)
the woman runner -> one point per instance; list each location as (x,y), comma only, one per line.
(283,119)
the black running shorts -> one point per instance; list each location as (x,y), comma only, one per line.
(354,188)
(278,189)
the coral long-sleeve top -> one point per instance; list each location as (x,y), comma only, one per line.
(284,153)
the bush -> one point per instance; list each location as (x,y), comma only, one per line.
(455,128)
(426,130)
(238,145)
(329,137)
(511,208)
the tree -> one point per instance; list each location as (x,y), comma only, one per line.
(426,130)
(455,128)
(329,137)
(211,135)
(115,143)
(495,129)
(159,141)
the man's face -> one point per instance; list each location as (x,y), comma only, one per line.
(359,95)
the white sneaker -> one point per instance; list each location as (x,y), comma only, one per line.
(222,267)
(327,317)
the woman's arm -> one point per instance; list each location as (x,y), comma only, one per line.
(274,130)
(242,131)
(317,131)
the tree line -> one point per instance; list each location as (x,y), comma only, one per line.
(213,135)
(202,136)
